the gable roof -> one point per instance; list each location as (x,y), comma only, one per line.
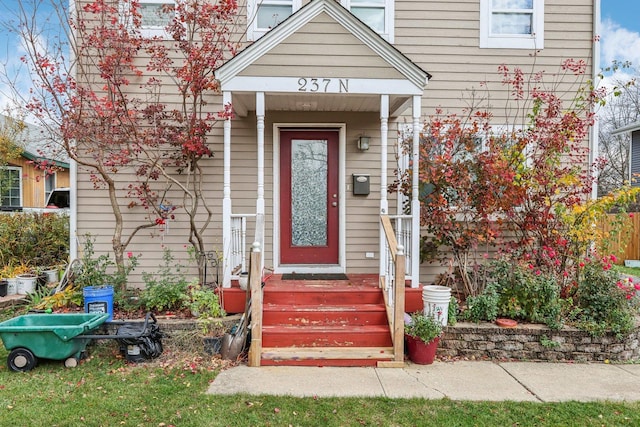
(410,71)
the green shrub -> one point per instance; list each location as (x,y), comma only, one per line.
(204,302)
(167,289)
(483,306)
(34,239)
(526,293)
(600,304)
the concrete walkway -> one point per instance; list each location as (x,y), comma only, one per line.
(463,380)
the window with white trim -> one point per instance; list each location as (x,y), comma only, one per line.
(10,186)
(263,15)
(156,15)
(513,24)
(377,14)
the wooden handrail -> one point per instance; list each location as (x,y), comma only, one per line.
(387,227)
(395,308)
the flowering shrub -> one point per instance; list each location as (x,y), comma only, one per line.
(602,301)
(528,179)
(597,299)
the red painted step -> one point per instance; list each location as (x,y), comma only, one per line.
(320,297)
(323,323)
(289,314)
(326,336)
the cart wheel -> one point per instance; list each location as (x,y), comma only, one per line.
(71,362)
(21,360)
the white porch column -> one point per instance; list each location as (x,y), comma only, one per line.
(226,196)
(259,234)
(415,188)
(384,203)
(260,132)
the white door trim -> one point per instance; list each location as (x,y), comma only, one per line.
(333,268)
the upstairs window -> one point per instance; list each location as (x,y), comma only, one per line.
(515,24)
(377,14)
(10,186)
(263,15)
(156,16)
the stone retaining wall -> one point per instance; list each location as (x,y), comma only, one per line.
(486,340)
(535,342)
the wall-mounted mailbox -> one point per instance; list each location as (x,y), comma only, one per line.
(360,184)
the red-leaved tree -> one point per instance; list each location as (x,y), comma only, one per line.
(506,186)
(102,90)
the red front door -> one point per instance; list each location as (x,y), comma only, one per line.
(309,197)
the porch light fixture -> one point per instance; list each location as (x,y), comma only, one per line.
(363,143)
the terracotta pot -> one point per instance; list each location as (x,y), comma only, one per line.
(506,323)
(420,352)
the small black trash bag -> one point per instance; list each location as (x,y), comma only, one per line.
(140,341)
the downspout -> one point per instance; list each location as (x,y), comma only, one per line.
(593,137)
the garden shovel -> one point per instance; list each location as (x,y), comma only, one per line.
(234,341)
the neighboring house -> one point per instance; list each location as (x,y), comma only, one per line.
(634,151)
(24,184)
(328,88)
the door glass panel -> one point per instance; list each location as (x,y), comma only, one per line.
(309,192)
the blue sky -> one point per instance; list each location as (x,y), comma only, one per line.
(620,31)
(625,13)
(620,34)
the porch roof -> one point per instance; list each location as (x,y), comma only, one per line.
(327,77)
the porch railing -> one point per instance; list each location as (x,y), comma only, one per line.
(393,283)
(402,230)
(239,249)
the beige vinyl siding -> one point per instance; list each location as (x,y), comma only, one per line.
(309,52)
(443,38)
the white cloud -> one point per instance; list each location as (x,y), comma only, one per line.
(618,43)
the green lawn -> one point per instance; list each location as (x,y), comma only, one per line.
(628,270)
(105,391)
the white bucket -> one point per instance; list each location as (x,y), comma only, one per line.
(52,275)
(26,283)
(436,302)
(12,286)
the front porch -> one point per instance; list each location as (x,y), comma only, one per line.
(311,149)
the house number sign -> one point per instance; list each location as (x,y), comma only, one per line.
(308,84)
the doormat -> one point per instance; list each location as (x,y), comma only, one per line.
(314,276)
